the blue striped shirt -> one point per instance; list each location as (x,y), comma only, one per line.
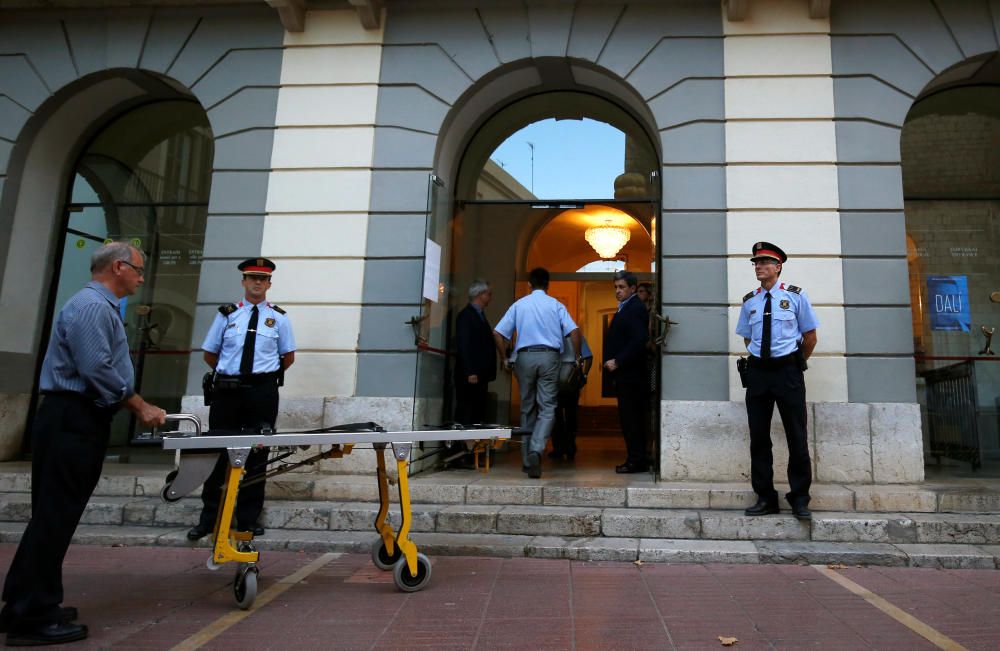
(88,350)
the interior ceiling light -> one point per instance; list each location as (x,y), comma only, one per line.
(607,240)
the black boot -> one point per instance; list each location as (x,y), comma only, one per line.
(763,507)
(800,507)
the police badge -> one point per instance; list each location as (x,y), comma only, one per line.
(784,303)
(270,322)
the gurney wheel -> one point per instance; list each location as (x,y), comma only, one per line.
(381,557)
(406,581)
(245,586)
(165,492)
(211,564)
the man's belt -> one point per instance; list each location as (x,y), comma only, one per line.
(772,362)
(538,349)
(222,382)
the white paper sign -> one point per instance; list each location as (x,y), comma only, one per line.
(432,270)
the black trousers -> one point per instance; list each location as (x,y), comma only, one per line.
(564,432)
(249,407)
(785,386)
(470,401)
(69,441)
(633,405)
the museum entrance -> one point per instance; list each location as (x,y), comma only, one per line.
(567,181)
(951,181)
(145,179)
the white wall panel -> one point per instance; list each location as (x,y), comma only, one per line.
(321,374)
(336,64)
(799,54)
(797,233)
(326,327)
(779,97)
(319,235)
(781,142)
(821,278)
(319,191)
(323,147)
(326,105)
(792,187)
(318,281)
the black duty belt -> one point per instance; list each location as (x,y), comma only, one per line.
(250,380)
(772,362)
(538,349)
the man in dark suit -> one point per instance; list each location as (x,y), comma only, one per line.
(475,358)
(625,360)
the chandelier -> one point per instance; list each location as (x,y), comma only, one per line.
(607,240)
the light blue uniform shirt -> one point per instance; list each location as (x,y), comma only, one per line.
(226,336)
(791,317)
(88,352)
(539,320)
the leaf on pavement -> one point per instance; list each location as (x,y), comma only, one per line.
(836,566)
(728,641)
(637,562)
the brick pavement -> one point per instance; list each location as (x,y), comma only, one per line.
(155,598)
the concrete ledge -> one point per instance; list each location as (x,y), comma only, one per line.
(809,553)
(696,551)
(950,557)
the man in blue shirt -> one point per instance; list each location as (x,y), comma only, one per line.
(541,322)
(778,327)
(249,346)
(86,377)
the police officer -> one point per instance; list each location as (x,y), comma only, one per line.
(778,327)
(250,345)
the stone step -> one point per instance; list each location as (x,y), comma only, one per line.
(646,550)
(562,521)
(471,487)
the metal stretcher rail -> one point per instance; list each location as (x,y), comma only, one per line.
(198,454)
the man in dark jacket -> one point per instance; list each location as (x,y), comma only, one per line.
(475,358)
(625,360)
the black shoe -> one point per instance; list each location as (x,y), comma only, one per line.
(258,530)
(525,469)
(198,532)
(800,509)
(630,468)
(67,614)
(47,634)
(534,465)
(763,507)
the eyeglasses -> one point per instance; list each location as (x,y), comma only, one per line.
(139,270)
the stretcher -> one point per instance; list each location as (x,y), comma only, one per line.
(198,452)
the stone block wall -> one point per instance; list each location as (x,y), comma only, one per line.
(849,442)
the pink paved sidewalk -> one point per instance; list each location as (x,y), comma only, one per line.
(154,598)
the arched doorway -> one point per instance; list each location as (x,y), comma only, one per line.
(497,224)
(951,183)
(144,177)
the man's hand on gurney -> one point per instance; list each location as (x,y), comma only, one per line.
(149,415)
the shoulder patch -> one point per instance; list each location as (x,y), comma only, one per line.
(793,289)
(227,309)
(749,296)
(277,309)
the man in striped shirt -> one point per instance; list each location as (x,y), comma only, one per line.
(86,377)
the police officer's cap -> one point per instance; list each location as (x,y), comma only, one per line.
(256,267)
(766,250)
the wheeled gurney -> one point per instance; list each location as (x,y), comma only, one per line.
(199,452)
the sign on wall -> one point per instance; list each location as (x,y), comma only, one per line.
(949,303)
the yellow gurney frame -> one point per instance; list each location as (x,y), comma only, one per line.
(392,551)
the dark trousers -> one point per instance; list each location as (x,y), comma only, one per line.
(470,401)
(564,433)
(69,441)
(784,386)
(248,407)
(633,404)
